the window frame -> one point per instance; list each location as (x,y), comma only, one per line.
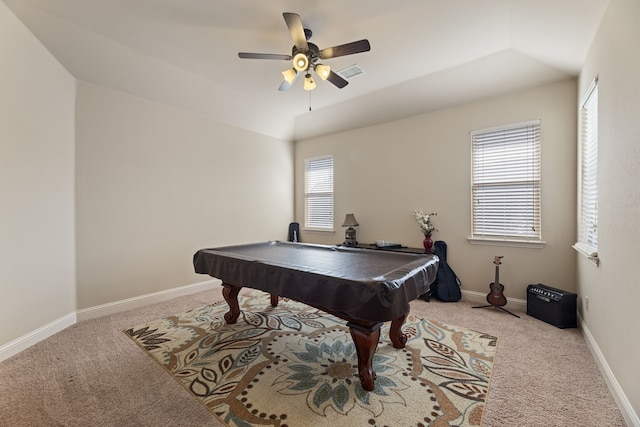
(486,183)
(319,215)
(587,216)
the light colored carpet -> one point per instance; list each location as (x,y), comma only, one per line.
(92,374)
(295,365)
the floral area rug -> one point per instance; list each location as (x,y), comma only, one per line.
(294,365)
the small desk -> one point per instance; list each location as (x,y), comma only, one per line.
(389,248)
(365,288)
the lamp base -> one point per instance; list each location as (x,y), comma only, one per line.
(350,237)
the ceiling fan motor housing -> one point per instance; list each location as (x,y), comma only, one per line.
(313,54)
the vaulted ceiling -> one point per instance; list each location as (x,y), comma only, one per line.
(425,54)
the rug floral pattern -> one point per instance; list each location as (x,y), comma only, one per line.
(294,365)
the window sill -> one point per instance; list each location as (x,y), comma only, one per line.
(588,252)
(320,230)
(538,244)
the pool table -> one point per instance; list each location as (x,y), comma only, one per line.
(364,287)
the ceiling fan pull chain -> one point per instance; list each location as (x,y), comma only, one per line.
(309,100)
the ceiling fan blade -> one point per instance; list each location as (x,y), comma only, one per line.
(294,23)
(284,86)
(346,49)
(337,80)
(248,55)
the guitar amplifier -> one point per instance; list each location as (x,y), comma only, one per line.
(551,305)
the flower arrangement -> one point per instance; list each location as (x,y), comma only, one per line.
(424,221)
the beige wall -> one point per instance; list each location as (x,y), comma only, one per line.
(109,199)
(385,172)
(37,267)
(613,287)
(155,184)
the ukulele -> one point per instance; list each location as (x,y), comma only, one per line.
(495,296)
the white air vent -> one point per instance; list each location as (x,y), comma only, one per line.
(351,71)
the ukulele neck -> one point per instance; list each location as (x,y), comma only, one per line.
(497,261)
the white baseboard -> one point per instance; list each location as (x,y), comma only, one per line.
(623,403)
(142,300)
(22,343)
(481,299)
(628,413)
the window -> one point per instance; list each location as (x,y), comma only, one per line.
(506,183)
(318,193)
(588,207)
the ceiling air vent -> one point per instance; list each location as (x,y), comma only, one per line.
(351,71)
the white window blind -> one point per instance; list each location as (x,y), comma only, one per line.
(506,182)
(318,192)
(588,228)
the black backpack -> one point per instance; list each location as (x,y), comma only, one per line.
(294,232)
(446,287)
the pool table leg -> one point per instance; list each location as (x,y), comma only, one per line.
(366,340)
(274,300)
(398,338)
(230,294)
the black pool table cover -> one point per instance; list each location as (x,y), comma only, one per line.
(361,284)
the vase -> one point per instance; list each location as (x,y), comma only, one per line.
(428,243)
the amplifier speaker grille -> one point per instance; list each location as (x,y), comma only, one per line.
(551,305)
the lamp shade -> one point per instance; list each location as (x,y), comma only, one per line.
(350,221)
(300,62)
(323,71)
(309,84)
(290,75)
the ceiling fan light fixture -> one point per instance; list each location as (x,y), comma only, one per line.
(290,75)
(305,55)
(323,71)
(309,84)
(300,62)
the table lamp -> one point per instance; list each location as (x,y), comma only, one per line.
(350,235)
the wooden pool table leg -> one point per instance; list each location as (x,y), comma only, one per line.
(366,340)
(398,338)
(230,294)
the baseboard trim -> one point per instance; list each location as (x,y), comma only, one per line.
(623,403)
(24,342)
(628,413)
(142,300)
(481,299)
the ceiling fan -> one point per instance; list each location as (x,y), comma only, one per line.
(305,56)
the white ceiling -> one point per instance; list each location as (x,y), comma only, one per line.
(425,54)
